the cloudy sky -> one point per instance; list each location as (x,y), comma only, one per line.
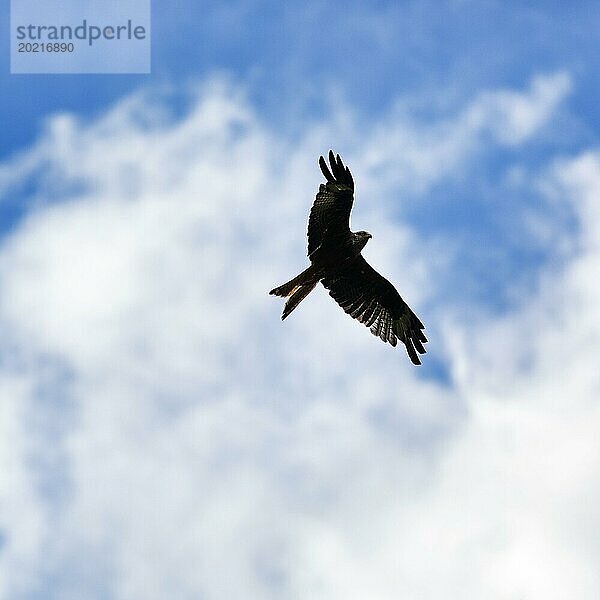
(164,435)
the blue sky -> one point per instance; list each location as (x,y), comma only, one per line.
(163,434)
(371,53)
(293,60)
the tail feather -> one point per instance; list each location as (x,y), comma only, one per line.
(296,290)
(287,289)
(297,297)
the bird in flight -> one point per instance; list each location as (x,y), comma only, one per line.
(336,261)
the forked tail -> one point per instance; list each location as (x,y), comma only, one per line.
(296,290)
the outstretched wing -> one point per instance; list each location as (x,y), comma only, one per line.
(330,213)
(371,299)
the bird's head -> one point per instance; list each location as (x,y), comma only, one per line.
(361,238)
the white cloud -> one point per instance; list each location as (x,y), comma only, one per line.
(165,435)
(513,117)
(417,156)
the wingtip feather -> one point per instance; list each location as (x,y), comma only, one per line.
(325,170)
(411,353)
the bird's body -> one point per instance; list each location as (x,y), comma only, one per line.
(336,261)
